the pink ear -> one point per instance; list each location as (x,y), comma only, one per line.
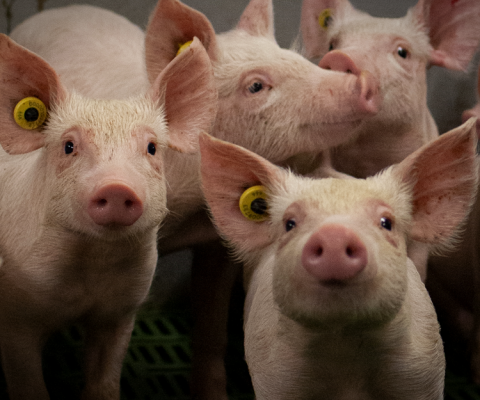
(23,74)
(257,19)
(171,25)
(227,171)
(315,38)
(444,177)
(188,89)
(454,30)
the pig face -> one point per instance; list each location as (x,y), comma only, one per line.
(271,100)
(335,248)
(102,160)
(341,262)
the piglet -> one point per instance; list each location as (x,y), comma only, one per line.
(82,199)
(397,51)
(334,307)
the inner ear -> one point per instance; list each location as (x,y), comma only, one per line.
(24,74)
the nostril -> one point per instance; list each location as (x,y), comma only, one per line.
(350,252)
(319,252)
(129,203)
(102,202)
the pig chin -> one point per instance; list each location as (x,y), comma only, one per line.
(337,305)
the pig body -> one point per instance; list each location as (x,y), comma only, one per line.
(81,202)
(335,308)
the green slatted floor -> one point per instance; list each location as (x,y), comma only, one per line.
(157,364)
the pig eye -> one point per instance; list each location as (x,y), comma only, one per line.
(330,48)
(255,87)
(402,52)
(69,147)
(151,149)
(386,223)
(289,225)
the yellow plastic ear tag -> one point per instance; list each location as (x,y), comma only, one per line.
(325,18)
(253,203)
(30,113)
(184,46)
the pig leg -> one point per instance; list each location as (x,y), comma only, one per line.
(22,364)
(106,346)
(213,277)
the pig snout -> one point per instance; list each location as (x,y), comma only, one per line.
(334,253)
(367,85)
(115,204)
(335,60)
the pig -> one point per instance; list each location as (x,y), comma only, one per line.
(397,51)
(82,199)
(334,308)
(453,282)
(271,100)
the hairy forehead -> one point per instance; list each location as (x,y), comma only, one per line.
(363,27)
(112,119)
(341,196)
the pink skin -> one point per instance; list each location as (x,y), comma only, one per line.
(322,324)
(397,51)
(83,199)
(115,204)
(334,254)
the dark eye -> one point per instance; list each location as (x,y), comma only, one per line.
(330,48)
(386,223)
(255,87)
(69,147)
(152,149)
(289,225)
(402,52)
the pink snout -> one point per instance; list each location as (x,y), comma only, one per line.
(367,85)
(115,204)
(334,254)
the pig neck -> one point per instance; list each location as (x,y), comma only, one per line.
(343,364)
(380,144)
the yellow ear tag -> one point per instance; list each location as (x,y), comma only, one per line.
(325,18)
(184,46)
(253,203)
(30,113)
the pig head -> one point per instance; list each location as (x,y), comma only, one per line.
(335,309)
(397,51)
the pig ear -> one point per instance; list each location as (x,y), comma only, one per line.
(257,19)
(317,16)
(453,29)
(187,88)
(444,177)
(171,25)
(227,170)
(23,74)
